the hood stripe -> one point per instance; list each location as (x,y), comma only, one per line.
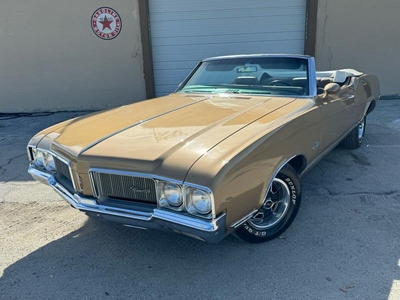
(137,123)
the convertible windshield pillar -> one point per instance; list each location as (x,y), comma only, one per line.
(312,77)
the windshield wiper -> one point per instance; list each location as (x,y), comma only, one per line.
(236,91)
(196,91)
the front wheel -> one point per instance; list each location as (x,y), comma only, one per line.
(278,210)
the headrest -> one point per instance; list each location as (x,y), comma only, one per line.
(323,81)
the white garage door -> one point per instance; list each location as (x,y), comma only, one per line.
(184,32)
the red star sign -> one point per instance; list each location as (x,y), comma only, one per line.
(106,22)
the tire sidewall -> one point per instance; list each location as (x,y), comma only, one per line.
(364,121)
(249,233)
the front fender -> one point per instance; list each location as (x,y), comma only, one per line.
(239,169)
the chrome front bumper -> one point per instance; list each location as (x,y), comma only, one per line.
(208,231)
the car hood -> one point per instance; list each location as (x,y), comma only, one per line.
(163,136)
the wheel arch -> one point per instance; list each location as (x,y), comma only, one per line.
(298,163)
(371,107)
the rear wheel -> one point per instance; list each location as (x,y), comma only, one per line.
(356,136)
(278,210)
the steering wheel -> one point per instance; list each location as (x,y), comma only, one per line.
(278,82)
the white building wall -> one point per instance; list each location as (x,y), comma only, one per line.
(50,59)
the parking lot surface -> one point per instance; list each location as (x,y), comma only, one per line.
(344,243)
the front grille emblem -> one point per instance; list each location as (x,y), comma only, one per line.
(138,190)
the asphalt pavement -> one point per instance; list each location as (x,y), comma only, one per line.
(344,243)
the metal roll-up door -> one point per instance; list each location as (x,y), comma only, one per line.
(184,32)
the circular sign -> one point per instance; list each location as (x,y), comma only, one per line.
(106,23)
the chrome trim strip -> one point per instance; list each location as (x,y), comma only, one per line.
(206,230)
(366,109)
(187,221)
(278,170)
(133,174)
(302,56)
(312,78)
(68,163)
(92,185)
(29,153)
(210,96)
(244,219)
(183,83)
(65,161)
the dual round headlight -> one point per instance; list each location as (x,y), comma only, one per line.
(43,160)
(197,201)
(173,194)
(201,201)
(49,162)
(38,158)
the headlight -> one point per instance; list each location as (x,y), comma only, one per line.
(49,162)
(170,195)
(173,194)
(201,201)
(195,200)
(43,160)
(38,158)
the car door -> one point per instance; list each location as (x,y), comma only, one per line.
(337,115)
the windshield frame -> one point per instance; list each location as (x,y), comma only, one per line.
(312,81)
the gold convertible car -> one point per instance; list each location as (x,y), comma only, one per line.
(223,154)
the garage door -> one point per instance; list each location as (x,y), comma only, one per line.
(184,32)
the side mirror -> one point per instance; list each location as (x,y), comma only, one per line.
(332,88)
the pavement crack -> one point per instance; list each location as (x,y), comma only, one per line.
(3,170)
(330,193)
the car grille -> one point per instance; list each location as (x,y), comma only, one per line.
(124,187)
(62,174)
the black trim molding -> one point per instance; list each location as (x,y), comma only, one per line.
(311,27)
(148,70)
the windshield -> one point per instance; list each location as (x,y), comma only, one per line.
(284,76)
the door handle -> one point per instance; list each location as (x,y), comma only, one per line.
(351,99)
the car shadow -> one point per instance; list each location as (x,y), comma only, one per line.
(319,257)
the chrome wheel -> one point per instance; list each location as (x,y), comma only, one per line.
(278,210)
(355,138)
(361,128)
(274,208)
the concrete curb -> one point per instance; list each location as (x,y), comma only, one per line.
(390,97)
